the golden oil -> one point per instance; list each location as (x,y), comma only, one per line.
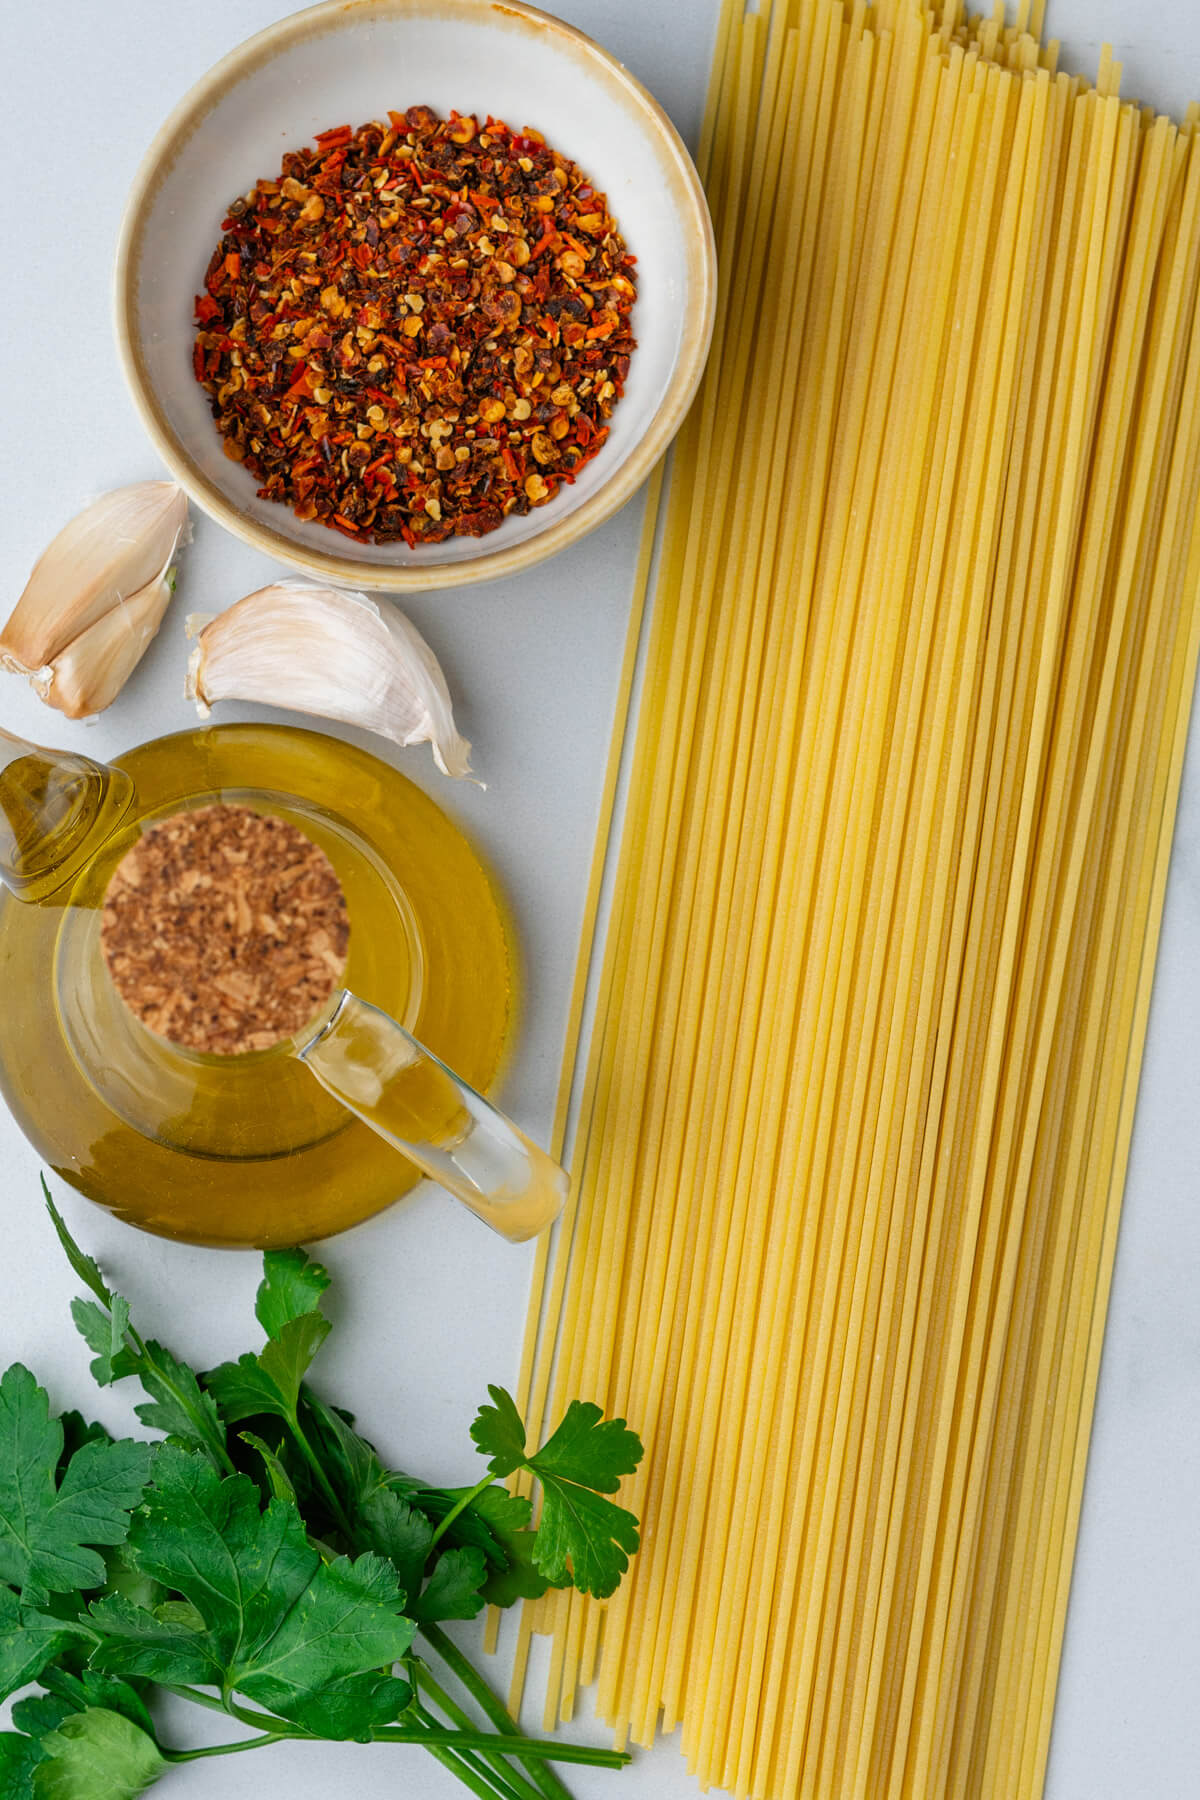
(243,1150)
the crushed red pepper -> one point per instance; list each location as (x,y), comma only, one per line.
(418,328)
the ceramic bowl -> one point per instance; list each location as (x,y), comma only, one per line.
(345,63)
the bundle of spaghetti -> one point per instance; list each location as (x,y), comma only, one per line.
(854,1115)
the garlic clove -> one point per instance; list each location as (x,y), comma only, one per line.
(89,674)
(331,652)
(112,550)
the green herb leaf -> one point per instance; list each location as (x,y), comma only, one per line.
(104,1332)
(279,1480)
(506,1514)
(90,1688)
(398,1531)
(301,1637)
(241,1390)
(97,1755)
(468,1527)
(497,1523)
(351,1463)
(46,1527)
(178,1405)
(124,1579)
(210,1589)
(453,1589)
(19,1758)
(491,1518)
(320,1666)
(137,1643)
(181,1613)
(78,1431)
(582,1537)
(29,1640)
(589,1449)
(286,1359)
(87,1270)
(292,1285)
(268,1385)
(508,1517)
(499,1433)
(40,1713)
(206,1540)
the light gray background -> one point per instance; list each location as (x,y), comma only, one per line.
(429,1307)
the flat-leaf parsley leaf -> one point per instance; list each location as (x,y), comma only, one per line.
(47,1526)
(581,1535)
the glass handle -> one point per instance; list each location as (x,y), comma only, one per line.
(391,1082)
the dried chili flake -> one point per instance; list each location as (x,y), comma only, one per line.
(417,329)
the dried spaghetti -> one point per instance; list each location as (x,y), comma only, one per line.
(856,1106)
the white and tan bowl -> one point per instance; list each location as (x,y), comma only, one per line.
(350,61)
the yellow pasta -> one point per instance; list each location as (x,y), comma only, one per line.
(853,1119)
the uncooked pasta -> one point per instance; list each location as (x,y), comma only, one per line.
(853,1111)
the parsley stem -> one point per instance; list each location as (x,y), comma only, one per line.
(453,1711)
(429,1736)
(322,1480)
(457,1716)
(459,1506)
(497,1779)
(197,1695)
(489,1704)
(486,1740)
(481,1782)
(257,1743)
(265,1721)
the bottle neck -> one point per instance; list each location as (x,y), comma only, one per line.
(56,809)
(13,749)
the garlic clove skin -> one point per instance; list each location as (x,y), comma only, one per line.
(111,551)
(332,652)
(89,674)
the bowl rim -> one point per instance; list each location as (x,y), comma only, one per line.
(489,565)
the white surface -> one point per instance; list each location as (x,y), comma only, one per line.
(429,1306)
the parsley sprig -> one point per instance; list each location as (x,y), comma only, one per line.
(262,1559)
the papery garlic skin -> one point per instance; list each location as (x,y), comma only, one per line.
(89,674)
(332,652)
(117,547)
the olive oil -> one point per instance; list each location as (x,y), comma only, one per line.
(54,809)
(248,1149)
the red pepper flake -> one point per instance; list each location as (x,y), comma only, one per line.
(549,234)
(398,370)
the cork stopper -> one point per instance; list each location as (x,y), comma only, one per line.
(225,930)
